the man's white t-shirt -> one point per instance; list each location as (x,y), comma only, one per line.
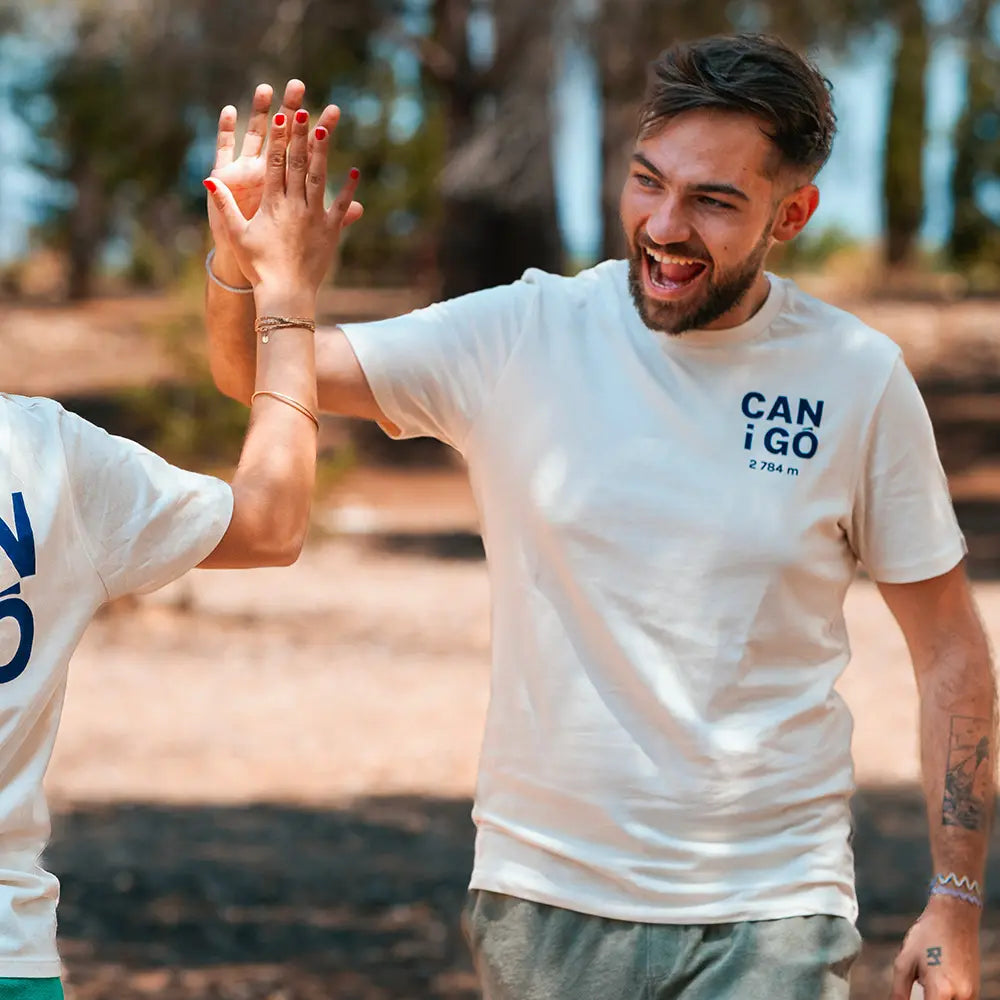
(84,518)
(671,524)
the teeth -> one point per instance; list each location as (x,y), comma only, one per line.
(666,258)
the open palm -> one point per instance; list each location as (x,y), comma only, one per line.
(290,243)
(243,173)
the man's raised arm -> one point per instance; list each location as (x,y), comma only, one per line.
(229,305)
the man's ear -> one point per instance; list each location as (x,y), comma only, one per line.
(794,212)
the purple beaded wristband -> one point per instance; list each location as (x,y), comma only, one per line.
(968,897)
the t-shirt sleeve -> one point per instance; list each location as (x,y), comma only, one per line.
(904,527)
(432,370)
(143,521)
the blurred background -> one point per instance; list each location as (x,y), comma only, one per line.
(263,781)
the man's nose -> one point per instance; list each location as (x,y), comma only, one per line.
(668,224)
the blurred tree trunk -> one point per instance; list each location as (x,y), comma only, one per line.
(628,35)
(85,229)
(902,182)
(498,212)
(452,68)
(622,71)
(499,206)
(977,141)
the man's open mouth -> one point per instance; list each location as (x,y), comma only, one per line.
(670,273)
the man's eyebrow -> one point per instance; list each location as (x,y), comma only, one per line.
(709,188)
(730,189)
(648,164)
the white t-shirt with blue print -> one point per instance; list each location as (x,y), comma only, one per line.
(671,525)
(84,518)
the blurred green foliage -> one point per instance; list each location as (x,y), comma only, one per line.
(125,111)
(445,111)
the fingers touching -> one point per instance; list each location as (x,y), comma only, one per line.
(354,212)
(328,120)
(319,148)
(344,211)
(294,158)
(274,173)
(329,117)
(295,92)
(232,218)
(253,141)
(298,151)
(256,133)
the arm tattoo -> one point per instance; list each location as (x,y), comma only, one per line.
(969,774)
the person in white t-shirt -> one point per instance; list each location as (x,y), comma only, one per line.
(680,460)
(86,517)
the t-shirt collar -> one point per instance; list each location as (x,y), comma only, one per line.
(754,327)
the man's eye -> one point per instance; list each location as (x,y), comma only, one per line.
(645,180)
(715,203)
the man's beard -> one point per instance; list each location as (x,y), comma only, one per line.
(724,290)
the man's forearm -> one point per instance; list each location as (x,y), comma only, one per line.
(229,318)
(958,738)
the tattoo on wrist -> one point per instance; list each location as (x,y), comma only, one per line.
(934,956)
(969,775)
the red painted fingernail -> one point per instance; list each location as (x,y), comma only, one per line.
(210,184)
(302,117)
(320,133)
(355,173)
(279,119)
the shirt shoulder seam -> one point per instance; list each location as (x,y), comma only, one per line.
(78,521)
(488,397)
(866,439)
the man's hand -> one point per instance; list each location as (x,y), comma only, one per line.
(941,952)
(243,174)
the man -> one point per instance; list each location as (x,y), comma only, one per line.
(86,517)
(679,461)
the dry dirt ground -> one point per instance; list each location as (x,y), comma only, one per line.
(262,785)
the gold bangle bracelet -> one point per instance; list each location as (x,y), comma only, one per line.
(294,403)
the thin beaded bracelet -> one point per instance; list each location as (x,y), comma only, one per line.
(264,326)
(967,897)
(248,290)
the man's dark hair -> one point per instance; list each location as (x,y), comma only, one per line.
(749,74)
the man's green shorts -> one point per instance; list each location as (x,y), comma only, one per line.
(31,989)
(529,951)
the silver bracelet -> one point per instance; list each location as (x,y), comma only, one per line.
(229,288)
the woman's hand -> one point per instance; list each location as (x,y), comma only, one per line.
(243,172)
(289,243)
